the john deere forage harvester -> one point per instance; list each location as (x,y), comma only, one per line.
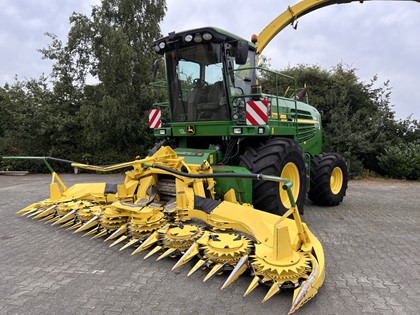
(227,178)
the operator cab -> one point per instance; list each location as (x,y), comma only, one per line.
(206,72)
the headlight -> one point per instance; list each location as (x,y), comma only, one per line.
(237,130)
(188,38)
(198,38)
(162,45)
(207,36)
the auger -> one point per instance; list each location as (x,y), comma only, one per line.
(223,236)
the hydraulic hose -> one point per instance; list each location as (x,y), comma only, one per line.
(287,184)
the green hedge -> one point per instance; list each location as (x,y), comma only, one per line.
(402,161)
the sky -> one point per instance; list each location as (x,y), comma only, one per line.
(375,37)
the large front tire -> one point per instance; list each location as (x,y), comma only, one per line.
(329,178)
(278,157)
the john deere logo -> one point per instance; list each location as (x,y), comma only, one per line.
(190,129)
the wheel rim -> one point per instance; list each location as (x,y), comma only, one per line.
(336,180)
(291,172)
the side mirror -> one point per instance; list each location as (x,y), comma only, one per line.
(155,68)
(241,52)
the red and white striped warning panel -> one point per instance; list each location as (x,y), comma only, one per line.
(257,112)
(154,118)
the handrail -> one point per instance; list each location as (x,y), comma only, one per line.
(277,95)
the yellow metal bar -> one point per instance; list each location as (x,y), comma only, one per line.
(104,168)
(302,233)
(57,178)
(292,14)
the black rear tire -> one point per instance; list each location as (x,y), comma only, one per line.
(274,157)
(329,179)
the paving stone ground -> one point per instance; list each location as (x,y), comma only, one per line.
(371,243)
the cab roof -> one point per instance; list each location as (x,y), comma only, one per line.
(198,35)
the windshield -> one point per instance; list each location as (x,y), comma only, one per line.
(197,88)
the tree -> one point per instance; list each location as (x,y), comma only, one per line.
(112,49)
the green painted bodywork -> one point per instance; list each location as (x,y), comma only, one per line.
(288,117)
(198,156)
(242,187)
(296,120)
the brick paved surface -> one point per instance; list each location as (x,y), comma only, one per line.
(371,244)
